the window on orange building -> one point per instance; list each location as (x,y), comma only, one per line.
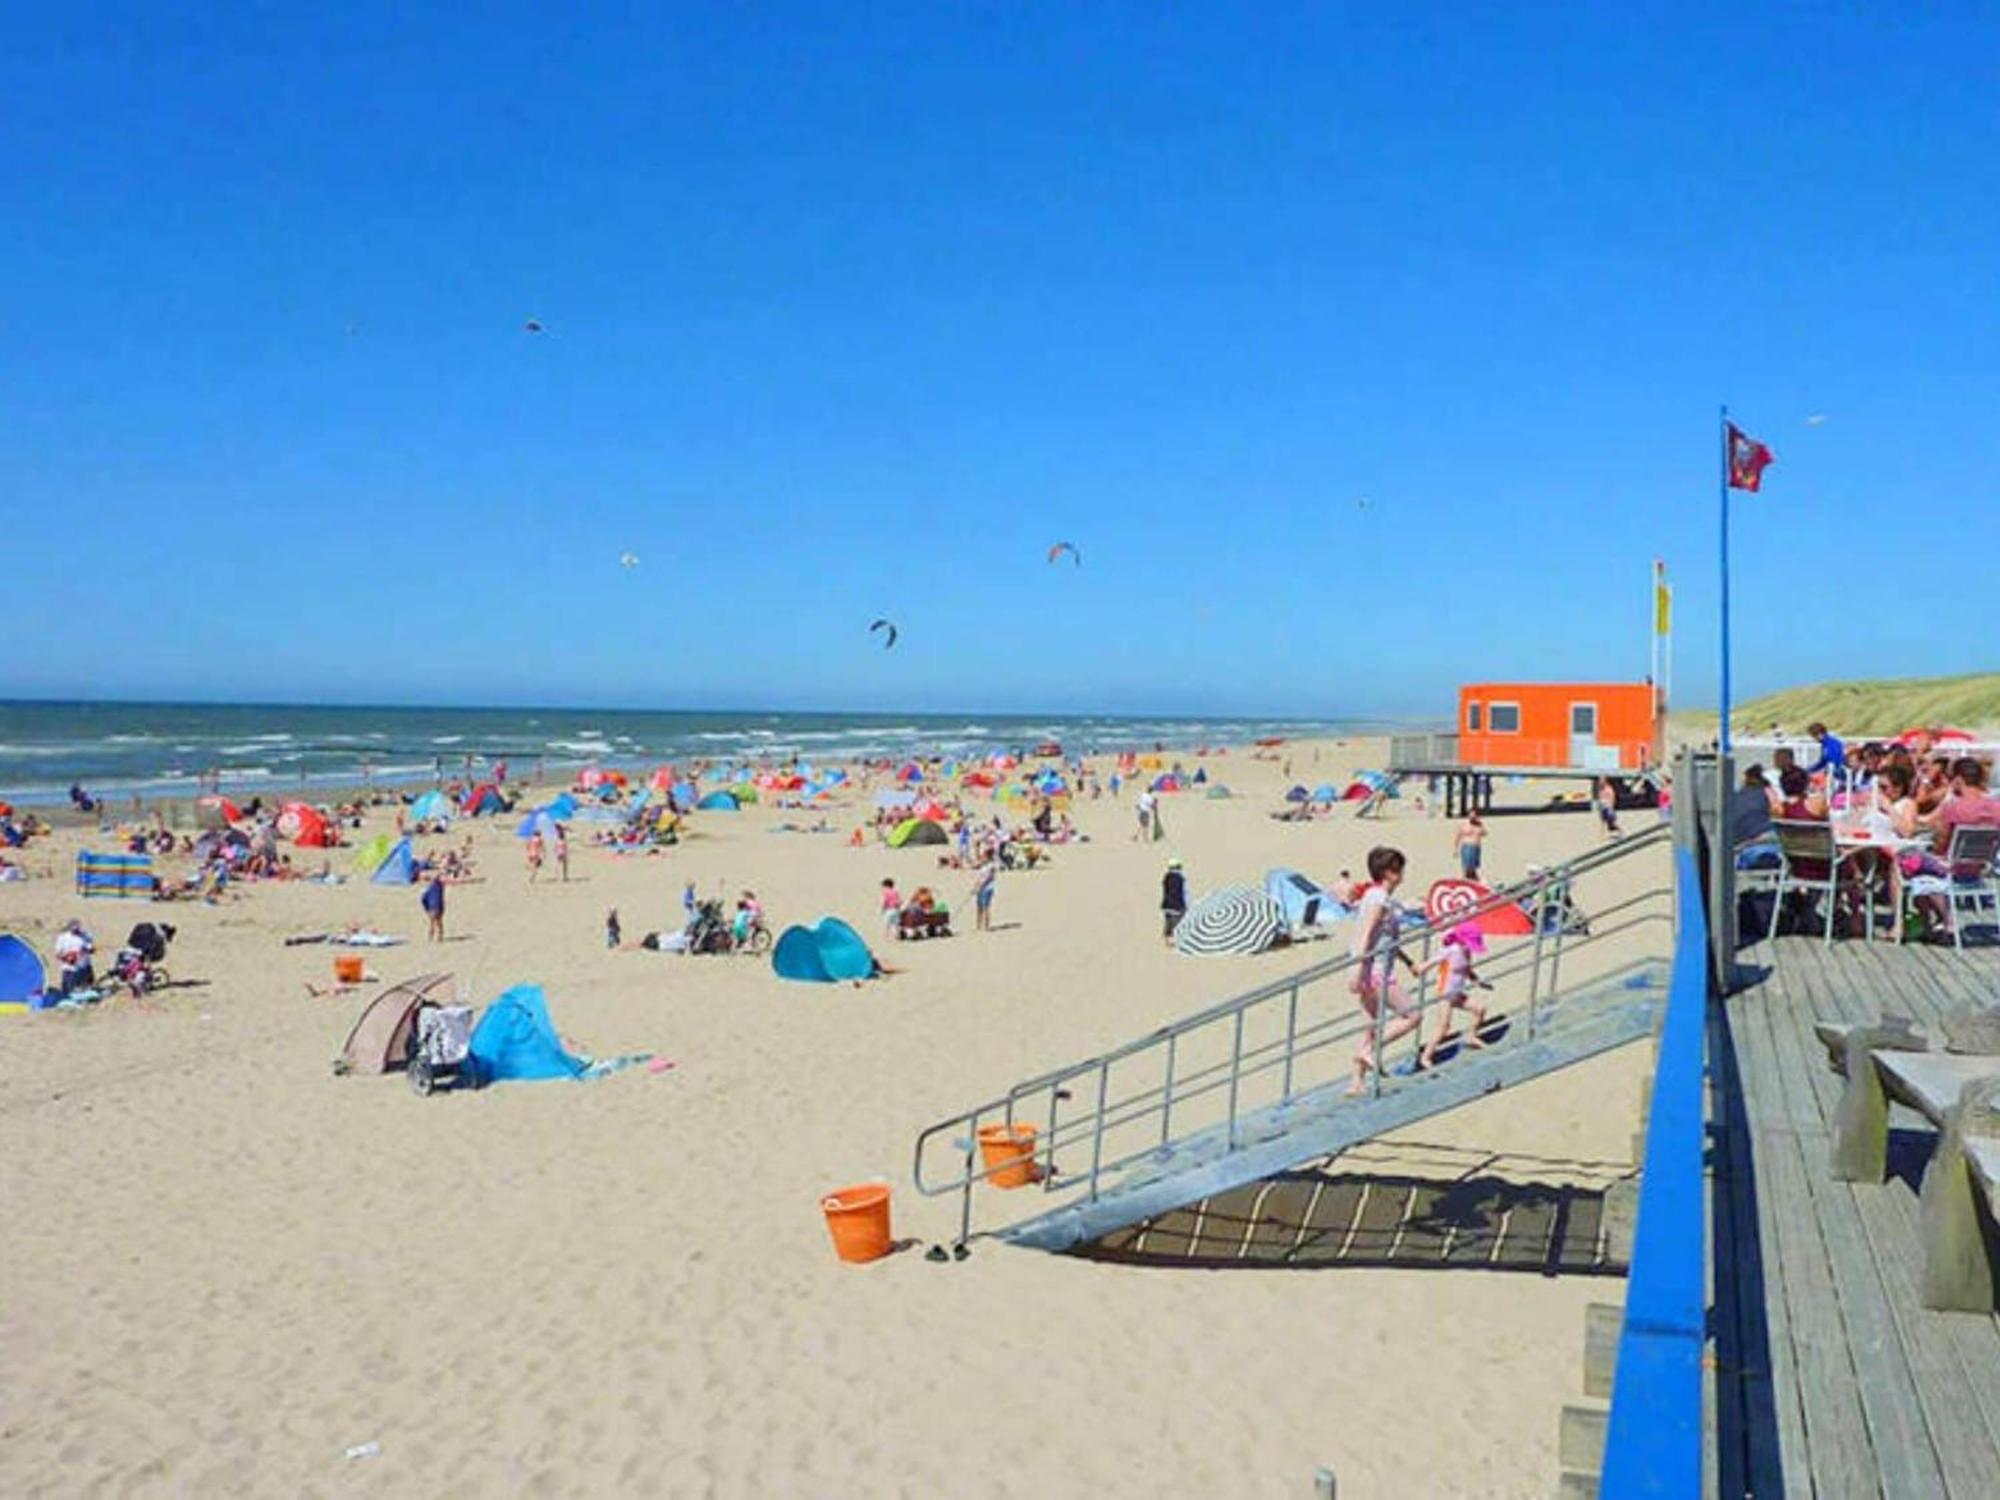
(1472,724)
(1505,718)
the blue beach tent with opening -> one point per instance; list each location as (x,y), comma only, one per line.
(825,954)
(21,975)
(719,802)
(399,868)
(431,805)
(516,1039)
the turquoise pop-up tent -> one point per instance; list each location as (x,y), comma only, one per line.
(431,805)
(516,1039)
(825,954)
(399,868)
(719,802)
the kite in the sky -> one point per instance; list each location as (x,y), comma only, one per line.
(1070,547)
(1817,419)
(890,640)
(628,559)
(533,325)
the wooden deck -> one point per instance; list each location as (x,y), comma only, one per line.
(1827,1377)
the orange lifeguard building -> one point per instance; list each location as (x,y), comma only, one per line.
(1599,726)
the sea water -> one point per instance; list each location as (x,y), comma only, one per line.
(167,749)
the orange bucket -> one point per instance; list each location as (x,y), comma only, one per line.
(347,969)
(1009,1154)
(858,1220)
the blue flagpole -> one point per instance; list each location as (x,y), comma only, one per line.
(1725,581)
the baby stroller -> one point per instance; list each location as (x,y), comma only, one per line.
(441,1049)
(709,931)
(140,964)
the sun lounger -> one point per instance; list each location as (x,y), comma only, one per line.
(1958,1093)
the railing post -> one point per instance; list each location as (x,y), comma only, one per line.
(1564,906)
(1291,1037)
(1167,1092)
(1535,964)
(1235,1075)
(971,1163)
(1381,1021)
(1722,881)
(1097,1132)
(1049,1137)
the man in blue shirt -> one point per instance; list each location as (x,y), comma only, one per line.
(1832,754)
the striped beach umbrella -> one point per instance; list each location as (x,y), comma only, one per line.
(1235,919)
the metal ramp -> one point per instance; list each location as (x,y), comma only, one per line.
(1259,1083)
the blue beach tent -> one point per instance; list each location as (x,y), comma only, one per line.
(536,822)
(825,954)
(516,1039)
(399,868)
(431,805)
(21,976)
(719,802)
(562,809)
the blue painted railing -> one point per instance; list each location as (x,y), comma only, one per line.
(1653,1447)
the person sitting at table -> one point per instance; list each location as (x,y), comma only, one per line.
(1866,765)
(1933,784)
(1969,804)
(1782,760)
(1893,800)
(1750,822)
(1797,800)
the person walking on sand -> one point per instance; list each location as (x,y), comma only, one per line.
(433,903)
(535,853)
(892,906)
(1469,842)
(982,891)
(1376,926)
(1607,805)
(1143,806)
(1173,899)
(562,851)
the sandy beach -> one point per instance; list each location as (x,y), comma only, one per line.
(229,1266)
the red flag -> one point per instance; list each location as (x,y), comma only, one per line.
(1748,459)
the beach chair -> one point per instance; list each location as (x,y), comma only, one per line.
(1810,861)
(1969,881)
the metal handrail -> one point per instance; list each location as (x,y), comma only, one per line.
(1254,1060)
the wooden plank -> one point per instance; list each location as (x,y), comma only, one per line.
(1811,1394)
(1975,1340)
(1876,1361)
(1839,1455)
(1953,1416)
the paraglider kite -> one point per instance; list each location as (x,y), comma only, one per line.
(628,559)
(533,325)
(1070,547)
(890,639)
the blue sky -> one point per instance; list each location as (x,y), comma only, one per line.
(852,311)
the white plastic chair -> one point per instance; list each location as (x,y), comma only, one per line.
(1969,881)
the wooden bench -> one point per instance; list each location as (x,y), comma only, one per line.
(1961,1187)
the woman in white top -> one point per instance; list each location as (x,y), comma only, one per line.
(1376,925)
